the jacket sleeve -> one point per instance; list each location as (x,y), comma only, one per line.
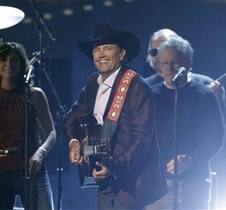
(136,126)
(79,113)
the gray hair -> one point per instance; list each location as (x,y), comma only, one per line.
(165,34)
(182,47)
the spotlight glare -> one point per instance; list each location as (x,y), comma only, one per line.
(68,12)
(108,3)
(27,20)
(88,7)
(128,1)
(47,16)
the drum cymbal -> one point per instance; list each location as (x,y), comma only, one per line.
(10,16)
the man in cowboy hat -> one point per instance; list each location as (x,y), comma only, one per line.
(122,103)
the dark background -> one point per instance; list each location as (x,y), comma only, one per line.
(202,22)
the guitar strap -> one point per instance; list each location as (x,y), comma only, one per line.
(111,120)
(114,112)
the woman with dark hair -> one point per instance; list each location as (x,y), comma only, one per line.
(41,133)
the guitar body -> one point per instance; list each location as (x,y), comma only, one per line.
(94,149)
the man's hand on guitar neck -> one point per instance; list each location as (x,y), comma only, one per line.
(75,151)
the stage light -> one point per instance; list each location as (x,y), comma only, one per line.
(27,20)
(10,16)
(47,16)
(128,1)
(68,12)
(88,7)
(108,3)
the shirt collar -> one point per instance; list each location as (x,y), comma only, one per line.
(110,80)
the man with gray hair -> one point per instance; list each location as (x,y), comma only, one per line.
(189,128)
(157,38)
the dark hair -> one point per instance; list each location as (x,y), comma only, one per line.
(6,48)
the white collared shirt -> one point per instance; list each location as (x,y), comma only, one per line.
(103,95)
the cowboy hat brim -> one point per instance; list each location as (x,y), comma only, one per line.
(124,39)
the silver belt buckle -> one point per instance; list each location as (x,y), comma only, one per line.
(3,153)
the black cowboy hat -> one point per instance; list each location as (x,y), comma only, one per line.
(104,33)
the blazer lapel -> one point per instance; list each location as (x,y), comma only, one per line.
(92,93)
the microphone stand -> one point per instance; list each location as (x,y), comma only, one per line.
(175,176)
(178,81)
(60,117)
(27,118)
(40,22)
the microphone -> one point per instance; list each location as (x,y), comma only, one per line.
(179,76)
(35,58)
(30,68)
(222,79)
(31,62)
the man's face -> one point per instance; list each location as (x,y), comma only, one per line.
(107,58)
(153,46)
(169,62)
(10,65)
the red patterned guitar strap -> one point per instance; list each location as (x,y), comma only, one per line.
(117,104)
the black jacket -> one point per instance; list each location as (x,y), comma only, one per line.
(136,159)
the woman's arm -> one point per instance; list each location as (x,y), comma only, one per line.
(44,117)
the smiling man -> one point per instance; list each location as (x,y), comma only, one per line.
(122,104)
